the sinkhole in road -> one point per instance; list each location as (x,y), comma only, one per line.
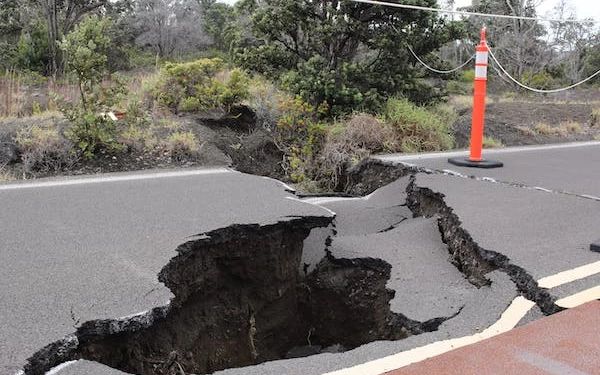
(243,297)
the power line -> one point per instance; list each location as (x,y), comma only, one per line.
(463,13)
(534,89)
(436,70)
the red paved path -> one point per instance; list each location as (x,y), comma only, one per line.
(567,343)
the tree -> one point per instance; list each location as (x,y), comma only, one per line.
(571,43)
(12,24)
(216,17)
(346,53)
(517,42)
(171,27)
(61,16)
(86,48)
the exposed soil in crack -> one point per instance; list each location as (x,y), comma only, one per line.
(474,261)
(242,299)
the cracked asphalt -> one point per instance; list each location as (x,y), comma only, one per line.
(65,260)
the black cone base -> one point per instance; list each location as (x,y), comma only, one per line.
(595,246)
(465,162)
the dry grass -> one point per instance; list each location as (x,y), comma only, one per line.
(489,142)
(595,117)
(526,130)
(461,102)
(562,130)
(6,175)
(571,127)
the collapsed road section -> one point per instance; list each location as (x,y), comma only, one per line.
(241,299)
(404,264)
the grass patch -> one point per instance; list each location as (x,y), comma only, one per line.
(489,142)
(562,130)
(44,149)
(182,145)
(571,127)
(419,129)
(526,130)
(5,175)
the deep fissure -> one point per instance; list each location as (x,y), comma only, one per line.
(472,260)
(242,298)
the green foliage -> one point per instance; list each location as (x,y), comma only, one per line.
(86,49)
(182,145)
(32,49)
(350,54)
(217,17)
(467,76)
(540,80)
(347,143)
(200,85)
(300,135)
(342,88)
(418,128)
(91,131)
(43,149)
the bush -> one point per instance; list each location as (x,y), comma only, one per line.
(199,85)
(300,134)
(182,145)
(348,143)
(44,150)
(343,88)
(419,129)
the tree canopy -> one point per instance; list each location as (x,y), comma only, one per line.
(346,53)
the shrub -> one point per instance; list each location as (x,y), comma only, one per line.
(182,145)
(43,149)
(300,134)
(197,86)
(418,129)
(467,76)
(263,98)
(138,139)
(348,143)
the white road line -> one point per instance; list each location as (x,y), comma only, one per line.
(507,150)
(568,276)
(57,369)
(509,319)
(580,298)
(112,178)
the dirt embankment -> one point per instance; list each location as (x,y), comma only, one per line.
(536,120)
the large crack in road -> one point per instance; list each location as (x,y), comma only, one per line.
(243,295)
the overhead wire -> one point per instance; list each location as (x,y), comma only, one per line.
(440,71)
(532,88)
(494,59)
(465,13)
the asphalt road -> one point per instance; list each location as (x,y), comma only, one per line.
(90,248)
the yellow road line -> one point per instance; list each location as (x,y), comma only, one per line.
(580,298)
(509,319)
(568,276)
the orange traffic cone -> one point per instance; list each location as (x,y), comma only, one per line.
(475,159)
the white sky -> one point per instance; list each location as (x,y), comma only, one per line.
(583,8)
